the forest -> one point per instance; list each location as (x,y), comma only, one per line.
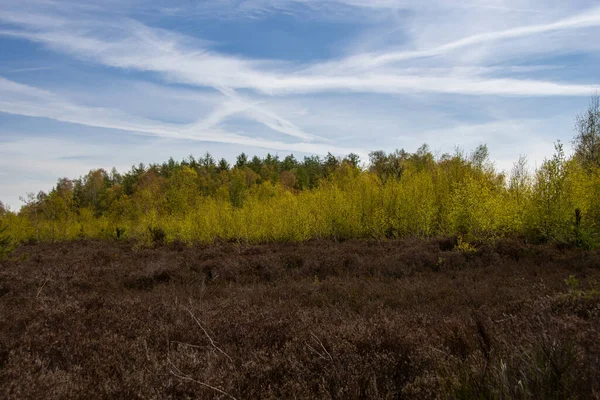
(273,199)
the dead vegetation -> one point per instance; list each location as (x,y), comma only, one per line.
(358,319)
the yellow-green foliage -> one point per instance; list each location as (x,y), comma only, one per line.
(464,247)
(404,195)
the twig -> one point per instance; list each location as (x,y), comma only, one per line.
(321,344)
(317,352)
(212,342)
(177,373)
(316,339)
(41,287)
(188,344)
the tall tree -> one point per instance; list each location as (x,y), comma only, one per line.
(289,163)
(208,162)
(352,159)
(587,138)
(32,206)
(242,160)
(223,165)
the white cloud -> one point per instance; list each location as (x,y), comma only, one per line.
(145,49)
(29,101)
(588,18)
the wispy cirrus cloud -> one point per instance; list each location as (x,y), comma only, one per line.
(29,101)
(586,19)
(145,49)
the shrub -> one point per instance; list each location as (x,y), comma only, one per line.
(582,236)
(157,235)
(119,233)
(547,371)
(464,247)
(6,243)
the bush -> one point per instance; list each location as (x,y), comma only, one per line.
(157,235)
(546,371)
(582,236)
(119,233)
(464,246)
(6,243)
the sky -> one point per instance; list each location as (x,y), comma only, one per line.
(88,85)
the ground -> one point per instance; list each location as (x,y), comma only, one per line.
(358,319)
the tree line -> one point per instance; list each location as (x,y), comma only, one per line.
(397,194)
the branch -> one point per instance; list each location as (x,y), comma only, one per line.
(316,339)
(40,289)
(177,373)
(212,342)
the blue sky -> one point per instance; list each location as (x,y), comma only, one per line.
(114,83)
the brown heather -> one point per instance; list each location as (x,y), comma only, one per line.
(408,319)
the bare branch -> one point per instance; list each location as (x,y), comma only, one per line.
(316,339)
(212,342)
(188,344)
(40,288)
(177,373)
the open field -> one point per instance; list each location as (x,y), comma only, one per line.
(358,319)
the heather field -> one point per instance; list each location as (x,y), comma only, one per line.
(409,318)
(299,199)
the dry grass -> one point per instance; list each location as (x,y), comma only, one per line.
(394,319)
